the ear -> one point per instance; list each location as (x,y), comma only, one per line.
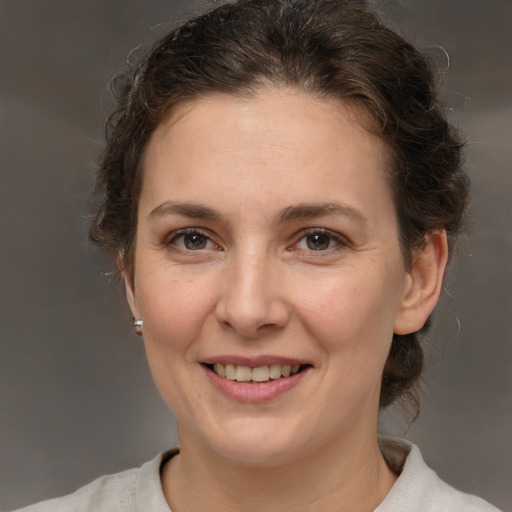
(129,287)
(423,284)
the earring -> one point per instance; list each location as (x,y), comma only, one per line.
(137,326)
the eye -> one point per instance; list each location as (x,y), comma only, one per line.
(194,241)
(190,240)
(319,240)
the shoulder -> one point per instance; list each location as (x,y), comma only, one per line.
(128,491)
(419,488)
(110,492)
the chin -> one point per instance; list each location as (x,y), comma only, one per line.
(258,443)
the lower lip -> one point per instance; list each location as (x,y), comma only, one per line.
(254,392)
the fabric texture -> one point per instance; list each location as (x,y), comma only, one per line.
(417,489)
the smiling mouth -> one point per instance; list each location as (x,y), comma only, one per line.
(265,373)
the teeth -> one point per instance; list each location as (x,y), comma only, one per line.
(219,369)
(242,373)
(260,374)
(275,371)
(230,371)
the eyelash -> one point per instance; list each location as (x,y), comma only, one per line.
(340,242)
(170,241)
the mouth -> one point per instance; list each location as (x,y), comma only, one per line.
(255,375)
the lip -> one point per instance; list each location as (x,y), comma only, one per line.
(254,362)
(254,392)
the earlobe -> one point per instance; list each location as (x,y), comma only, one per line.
(423,284)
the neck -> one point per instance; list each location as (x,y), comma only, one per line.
(348,475)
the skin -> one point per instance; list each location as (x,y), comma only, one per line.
(255,286)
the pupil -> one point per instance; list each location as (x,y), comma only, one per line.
(318,242)
(195,241)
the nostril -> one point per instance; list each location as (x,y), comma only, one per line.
(226,325)
(249,329)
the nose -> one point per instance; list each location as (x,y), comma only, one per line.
(253,300)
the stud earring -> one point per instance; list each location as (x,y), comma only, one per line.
(137,326)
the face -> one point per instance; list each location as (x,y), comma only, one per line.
(268,273)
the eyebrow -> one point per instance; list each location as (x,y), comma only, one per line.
(192,210)
(314,210)
(289,214)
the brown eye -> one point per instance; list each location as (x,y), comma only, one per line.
(319,242)
(190,240)
(195,241)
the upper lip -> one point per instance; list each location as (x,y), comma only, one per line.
(253,362)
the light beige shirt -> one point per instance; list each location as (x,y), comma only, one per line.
(418,488)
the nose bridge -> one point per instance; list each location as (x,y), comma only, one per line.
(252,301)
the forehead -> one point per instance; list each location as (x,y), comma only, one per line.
(274,142)
(267,109)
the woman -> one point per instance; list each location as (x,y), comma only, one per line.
(282,192)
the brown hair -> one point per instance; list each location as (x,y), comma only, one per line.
(327,48)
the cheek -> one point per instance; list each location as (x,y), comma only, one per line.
(352,311)
(174,310)
(351,320)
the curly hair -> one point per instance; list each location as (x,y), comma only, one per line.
(326,48)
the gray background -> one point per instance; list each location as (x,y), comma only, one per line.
(76,397)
